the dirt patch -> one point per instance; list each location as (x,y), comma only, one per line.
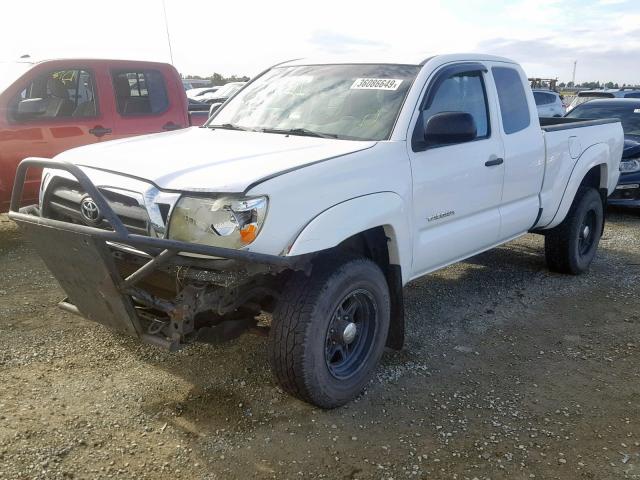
(509,372)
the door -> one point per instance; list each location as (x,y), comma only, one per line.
(457,187)
(524,152)
(145,102)
(49,112)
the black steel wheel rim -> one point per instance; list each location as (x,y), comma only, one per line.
(587,233)
(351,334)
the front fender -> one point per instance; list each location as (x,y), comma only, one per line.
(346,219)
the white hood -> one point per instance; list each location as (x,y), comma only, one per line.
(208,160)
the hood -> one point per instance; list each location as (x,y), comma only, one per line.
(631,146)
(208,160)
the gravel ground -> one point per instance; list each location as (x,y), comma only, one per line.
(509,372)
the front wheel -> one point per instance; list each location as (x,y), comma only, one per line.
(571,246)
(329,330)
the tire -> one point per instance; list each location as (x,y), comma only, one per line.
(569,247)
(315,353)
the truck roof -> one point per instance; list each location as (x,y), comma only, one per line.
(88,61)
(399,59)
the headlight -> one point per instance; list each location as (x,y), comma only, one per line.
(220,222)
(629,166)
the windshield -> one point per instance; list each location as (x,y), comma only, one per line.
(628,115)
(355,102)
(11,71)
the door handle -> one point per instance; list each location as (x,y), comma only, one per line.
(493,162)
(171,126)
(99,131)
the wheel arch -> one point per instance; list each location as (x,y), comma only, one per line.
(355,217)
(376,227)
(591,170)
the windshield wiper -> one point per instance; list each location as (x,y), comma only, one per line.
(299,131)
(231,126)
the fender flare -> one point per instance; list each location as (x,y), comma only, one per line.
(346,219)
(594,156)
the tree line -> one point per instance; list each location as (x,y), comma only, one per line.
(595,85)
(218,79)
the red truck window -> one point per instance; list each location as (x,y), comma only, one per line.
(59,94)
(140,92)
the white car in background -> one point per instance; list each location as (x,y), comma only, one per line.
(586,95)
(222,93)
(549,103)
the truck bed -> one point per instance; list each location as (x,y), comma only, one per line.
(567,141)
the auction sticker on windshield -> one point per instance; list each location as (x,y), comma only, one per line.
(376,84)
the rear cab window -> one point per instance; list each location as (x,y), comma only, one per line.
(56,95)
(141,92)
(514,108)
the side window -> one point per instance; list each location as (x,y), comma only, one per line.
(463,92)
(60,94)
(632,95)
(512,98)
(140,93)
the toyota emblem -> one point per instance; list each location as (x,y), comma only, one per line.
(89,210)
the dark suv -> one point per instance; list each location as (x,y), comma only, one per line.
(628,111)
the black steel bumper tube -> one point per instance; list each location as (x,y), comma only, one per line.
(120,233)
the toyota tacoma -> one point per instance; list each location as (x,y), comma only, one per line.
(315,194)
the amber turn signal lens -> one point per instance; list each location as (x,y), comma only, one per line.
(248,233)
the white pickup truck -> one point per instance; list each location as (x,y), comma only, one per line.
(316,193)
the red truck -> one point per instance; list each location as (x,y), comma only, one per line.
(54,105)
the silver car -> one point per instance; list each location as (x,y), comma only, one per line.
(549,103)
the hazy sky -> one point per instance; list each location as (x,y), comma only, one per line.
(244,37)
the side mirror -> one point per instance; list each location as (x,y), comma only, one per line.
(450,127)
(31,107)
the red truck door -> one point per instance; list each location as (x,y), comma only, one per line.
(147,99)
(53,108)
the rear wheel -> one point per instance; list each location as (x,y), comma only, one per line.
(329,330)
(571,246)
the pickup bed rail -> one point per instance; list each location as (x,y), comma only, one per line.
(554,124)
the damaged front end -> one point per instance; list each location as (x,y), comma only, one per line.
(144,285)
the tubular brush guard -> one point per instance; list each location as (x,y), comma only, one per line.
(81,259)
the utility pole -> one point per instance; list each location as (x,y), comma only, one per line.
(573,77)
(166,25)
